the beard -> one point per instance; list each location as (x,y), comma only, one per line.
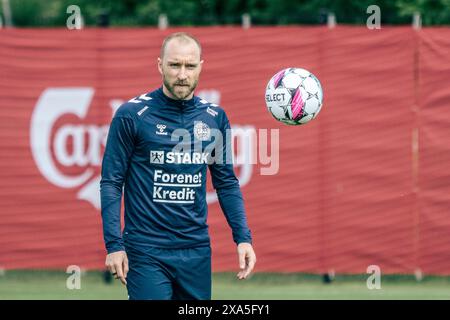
(180,89)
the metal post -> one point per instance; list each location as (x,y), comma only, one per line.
(417,21)
(331,20)
(163,21)
(246,21)
(7,13)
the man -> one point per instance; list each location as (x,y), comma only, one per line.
(159,147)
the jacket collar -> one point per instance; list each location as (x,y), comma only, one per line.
(175,103)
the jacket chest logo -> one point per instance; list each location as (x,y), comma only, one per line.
(202,131)
(161,129)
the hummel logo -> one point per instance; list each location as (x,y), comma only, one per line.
(161,128)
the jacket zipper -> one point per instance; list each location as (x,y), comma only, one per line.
(182,118)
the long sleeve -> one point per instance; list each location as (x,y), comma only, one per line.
(228,189)
(119,148)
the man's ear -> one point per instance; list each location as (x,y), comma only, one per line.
(160,66)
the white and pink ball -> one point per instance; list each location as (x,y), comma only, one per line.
(294,96)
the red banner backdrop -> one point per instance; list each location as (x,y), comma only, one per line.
(366,183)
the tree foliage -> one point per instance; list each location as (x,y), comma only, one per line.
(218,12)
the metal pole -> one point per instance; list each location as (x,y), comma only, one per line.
(7,13)
(246,21)
(163,21)
(331,20)
(417,21)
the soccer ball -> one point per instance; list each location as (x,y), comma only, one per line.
(294,96)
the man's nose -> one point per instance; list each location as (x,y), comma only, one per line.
(182,74)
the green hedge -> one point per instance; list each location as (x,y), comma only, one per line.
(52,13)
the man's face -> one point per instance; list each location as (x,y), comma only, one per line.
(180,68)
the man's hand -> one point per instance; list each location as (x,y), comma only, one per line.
(247,259)
(117,264)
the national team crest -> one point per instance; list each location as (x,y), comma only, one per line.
(202,131)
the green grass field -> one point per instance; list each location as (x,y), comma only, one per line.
(43,285)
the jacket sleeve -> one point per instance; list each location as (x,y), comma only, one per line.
(119,148)
(227,187)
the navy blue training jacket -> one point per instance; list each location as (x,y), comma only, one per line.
(158,150)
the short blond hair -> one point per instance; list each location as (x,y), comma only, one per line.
(181,36)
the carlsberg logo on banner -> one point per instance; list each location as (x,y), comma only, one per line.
(51,152)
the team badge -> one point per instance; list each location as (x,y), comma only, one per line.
(202,131)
